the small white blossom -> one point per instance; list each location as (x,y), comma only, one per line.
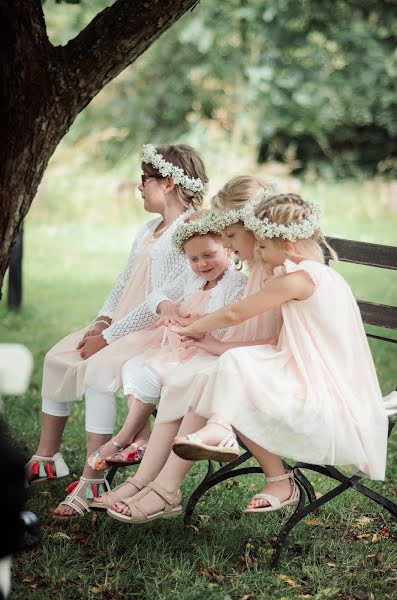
(150,156)
(231,217)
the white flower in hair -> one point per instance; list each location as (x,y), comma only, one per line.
(186,230)
(150,156)
(231,217)
(295,231)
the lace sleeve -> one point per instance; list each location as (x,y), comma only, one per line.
(114,296)
(139,318)
(178,271)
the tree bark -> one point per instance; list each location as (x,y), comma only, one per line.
(43,88)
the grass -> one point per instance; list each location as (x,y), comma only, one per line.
(347,552)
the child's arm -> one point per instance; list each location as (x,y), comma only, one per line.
(217,347)
(294,286)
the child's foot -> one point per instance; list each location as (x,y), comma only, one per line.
(81,493)
(97,460)
(278,492)
(152,502)
(130,487)
(40,469)
(215,441)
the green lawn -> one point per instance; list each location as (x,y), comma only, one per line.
(349,551)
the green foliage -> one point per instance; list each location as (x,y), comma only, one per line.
(311,83)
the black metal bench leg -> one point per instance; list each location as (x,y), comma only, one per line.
(305,483)
(300,513)
(111,474)
(198,492)
(384,502)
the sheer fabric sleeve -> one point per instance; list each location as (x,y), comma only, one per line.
(113,298)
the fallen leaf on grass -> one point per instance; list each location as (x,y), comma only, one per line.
(94,517)
(194,527)
(330,564)
(313,522)
(244,563)
(288,580)
(96,590)
(203,518)
(363,521)
(232,483)
(60,535)
(210,574)
(363,536)
(247,597)
(376,537)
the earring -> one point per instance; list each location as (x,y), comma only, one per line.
(238,265)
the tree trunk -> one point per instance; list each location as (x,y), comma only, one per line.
(43,88)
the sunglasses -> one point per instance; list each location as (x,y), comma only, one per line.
(144,178)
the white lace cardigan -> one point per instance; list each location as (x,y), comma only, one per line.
(169,270)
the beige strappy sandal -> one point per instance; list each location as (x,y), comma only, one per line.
(274,502)
(82,506)
(171,509)
(41,468)
(191,446)
(110,497)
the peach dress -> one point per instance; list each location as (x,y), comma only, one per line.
(64,370)
(185,384)
(315,397)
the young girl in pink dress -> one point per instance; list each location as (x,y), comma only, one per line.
(212,283)
(229,203)
(173,185)
(314,396)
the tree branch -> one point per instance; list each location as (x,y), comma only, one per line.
(114,39)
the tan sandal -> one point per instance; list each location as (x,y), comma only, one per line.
(274,502)
(191,447)
(40,467)
(111,497)
(171,509)
(82,506)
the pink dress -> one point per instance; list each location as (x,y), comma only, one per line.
(64,370)
(184,384)
(315,398)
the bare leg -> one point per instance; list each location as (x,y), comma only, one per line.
(156,454)
(52,429)
(272,466)
(94,440)
(136,427)
(171,474)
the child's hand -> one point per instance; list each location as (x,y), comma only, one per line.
(171,315)
(91,345)
(95,329)
(187,332)
(208,343)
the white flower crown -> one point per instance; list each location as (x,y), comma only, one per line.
(295,231)
(150,156)
(231,217)
(186,230)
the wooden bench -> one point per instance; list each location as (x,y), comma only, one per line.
(372,255)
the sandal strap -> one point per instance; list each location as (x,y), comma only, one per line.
(135,481)
(272,500)
(117,445)
(168,498)
(221,422)
(61,468)
(289,475)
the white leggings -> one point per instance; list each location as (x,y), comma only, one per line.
(141,381)
(100,410)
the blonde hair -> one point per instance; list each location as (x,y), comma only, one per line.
(238,191)
(285,209)
(187,159)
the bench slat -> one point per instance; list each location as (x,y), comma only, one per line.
(378,314)
(364,253)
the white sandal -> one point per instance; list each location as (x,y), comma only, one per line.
(41,468)
(274,502)
(82,506)
(191,446)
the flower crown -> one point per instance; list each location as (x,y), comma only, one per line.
(231,217)
(186,230)
(150,156)
(295,231)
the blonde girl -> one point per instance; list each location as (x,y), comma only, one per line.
(173,185)
(314,396)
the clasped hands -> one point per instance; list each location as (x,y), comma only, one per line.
(93,340)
